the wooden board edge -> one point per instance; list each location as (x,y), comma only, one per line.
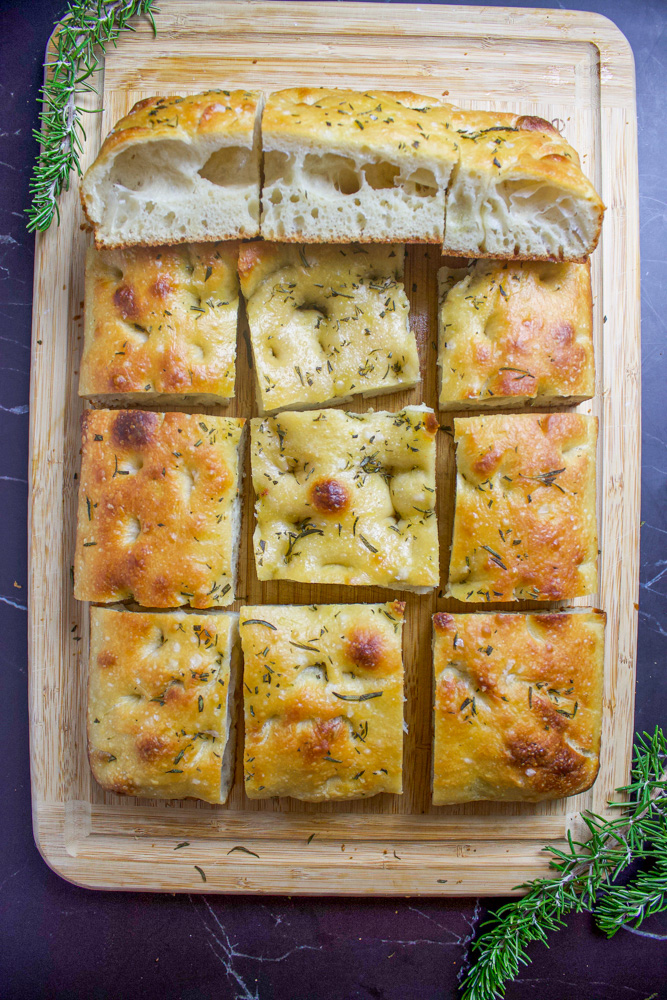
(51,852)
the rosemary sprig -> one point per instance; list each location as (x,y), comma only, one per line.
(585,874)
(80,41)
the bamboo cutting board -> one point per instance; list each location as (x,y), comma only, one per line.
(563,65)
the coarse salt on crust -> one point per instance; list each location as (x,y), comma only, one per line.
(323,692)
(346,498)
(159,508)
(518,705)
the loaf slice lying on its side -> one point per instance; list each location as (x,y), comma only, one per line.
(176,170)
(517,191)
(342,166)
(161,692)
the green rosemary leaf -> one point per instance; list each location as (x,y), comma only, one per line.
(245,850)
(584,877)
(78,46)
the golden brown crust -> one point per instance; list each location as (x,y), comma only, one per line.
(157,507)
(346,498)
(161,321)
(327,322)
(518,705)
(525,520)
(323,689)
(222,115)
(511,332)
(505,148)
(158,690)
(397,123)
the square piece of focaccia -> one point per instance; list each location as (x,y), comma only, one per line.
(323,690)
(159,508)
(518,705)
(160,324)
(161,703)
(343,166)
(525,521)
(509,333)
(177,170)
(327,322)
(346,498)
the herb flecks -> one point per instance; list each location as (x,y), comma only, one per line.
(585,878)
(74,56)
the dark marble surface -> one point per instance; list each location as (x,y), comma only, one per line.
(65,943)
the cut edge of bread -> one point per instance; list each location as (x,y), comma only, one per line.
(165,191)
(231,713)
(497,220)
(99,400)
(311,194)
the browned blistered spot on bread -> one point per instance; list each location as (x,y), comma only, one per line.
(134,428)
(174,692)
(106,658)
(250,256)
(162,287)
(431,423)
(329,496)
(210,110)
(150,747)
(365,647)
(442,621)
(321,740)
(487,462)
(526,752)
(534,124)
(126,302)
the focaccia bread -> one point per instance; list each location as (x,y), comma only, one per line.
(509,333)
(342,166)
(178,170)
(518,191)
(161,703)
(346,498)
(327,322)
(160,324)
(524,523)
(159,508)
(323,691)
(518,705)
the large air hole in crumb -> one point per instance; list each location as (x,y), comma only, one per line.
(277,167)
(227,167)
(332,170)
(421,182)
(159,168)
(381,175)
